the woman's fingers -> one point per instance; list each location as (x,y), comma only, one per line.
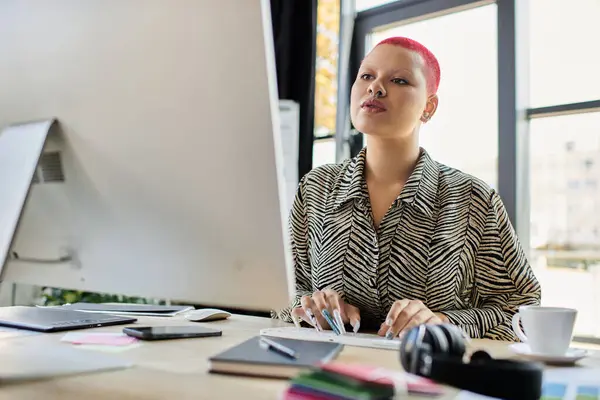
(335,308)
(322,308)
(353,315)
(326,309)
(395,310)
(407,314)
(403,315)
(309,308)
(420,317)
(298,315)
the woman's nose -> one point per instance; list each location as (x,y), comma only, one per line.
(377,91)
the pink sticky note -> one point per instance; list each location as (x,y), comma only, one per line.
(104,339)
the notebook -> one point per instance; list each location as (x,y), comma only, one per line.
(249,358)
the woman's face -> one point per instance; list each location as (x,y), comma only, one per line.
(398,74)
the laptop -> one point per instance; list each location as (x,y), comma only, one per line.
(147,310)
(56,319)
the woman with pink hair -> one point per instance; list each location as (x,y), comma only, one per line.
(391,239)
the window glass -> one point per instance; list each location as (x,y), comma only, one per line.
(564,58)
(328,28)
(362,5)
(323,152)
(565,214)
(464,131)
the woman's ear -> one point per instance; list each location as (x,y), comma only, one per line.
(430,108)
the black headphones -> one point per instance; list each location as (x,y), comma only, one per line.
(437,351)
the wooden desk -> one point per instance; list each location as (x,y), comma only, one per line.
(178,369)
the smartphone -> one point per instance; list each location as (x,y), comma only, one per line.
(170,332)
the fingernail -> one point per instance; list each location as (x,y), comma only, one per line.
(319,327)
(312,318)
(295,320)
(355,326)
(389,322)
(389,335)
(330,321)
(339,320)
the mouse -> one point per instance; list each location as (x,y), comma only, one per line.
(207,314)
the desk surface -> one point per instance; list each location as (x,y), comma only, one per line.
(178,369)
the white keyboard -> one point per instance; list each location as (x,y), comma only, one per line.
(350,339)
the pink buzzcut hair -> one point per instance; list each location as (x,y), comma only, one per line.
(432,67)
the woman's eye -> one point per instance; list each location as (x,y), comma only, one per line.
(400,81)
(366,76)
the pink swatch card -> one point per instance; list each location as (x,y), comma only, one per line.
(110,339)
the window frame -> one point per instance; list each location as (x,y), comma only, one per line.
(514,111)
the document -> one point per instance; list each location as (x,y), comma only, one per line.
(350,339)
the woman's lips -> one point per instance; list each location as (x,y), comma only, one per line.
(373,106)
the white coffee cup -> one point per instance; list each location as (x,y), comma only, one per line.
(549,329)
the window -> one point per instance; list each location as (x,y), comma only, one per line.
(565,196)
(570,216)
(323,152)
(467,116)
(362,5)
(563,61)
(328,27)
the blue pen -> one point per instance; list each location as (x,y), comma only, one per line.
(329,320)
(277,347)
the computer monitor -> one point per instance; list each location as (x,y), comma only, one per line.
(162,177)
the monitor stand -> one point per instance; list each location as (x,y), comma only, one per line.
(21,146)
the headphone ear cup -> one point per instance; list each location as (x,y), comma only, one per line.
(416,347)
(437,340)
(456,340)
(480,356)
(404,353)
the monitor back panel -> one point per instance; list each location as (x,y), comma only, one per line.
(165,177)
(20,149)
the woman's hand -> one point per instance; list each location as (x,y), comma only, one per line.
(316,309)
(406,314)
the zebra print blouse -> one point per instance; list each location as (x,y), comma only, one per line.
(446,240)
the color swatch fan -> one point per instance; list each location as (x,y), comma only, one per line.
(337,380)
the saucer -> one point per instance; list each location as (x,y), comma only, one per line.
(571,356)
